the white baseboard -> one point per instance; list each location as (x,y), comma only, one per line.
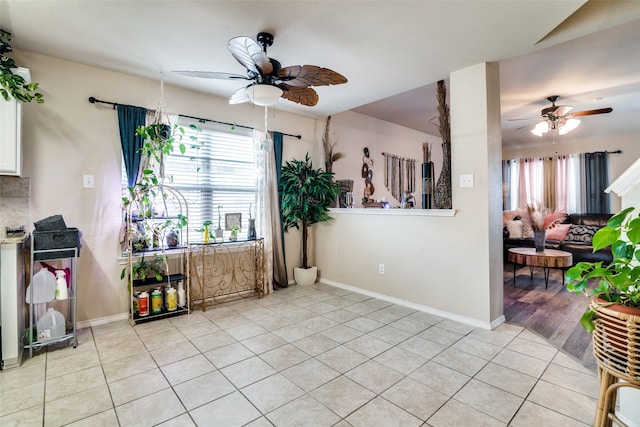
(451,316)
(102,320)
(447,315)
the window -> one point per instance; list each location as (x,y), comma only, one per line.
(217,170)
(574,183)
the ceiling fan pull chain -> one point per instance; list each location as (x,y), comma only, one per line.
(266,142)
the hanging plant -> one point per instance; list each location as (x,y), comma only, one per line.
(12,84)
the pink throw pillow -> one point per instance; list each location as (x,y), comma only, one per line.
(559,232)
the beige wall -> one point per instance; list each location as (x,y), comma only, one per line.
(448,264)
(67,137)
(443,262)
(567,144)
(354,131)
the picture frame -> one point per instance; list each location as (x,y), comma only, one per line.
(232,220)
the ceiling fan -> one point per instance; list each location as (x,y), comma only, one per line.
(560,117)
(270,80)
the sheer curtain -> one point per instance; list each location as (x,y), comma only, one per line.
(549,188)
(573,183)
(575,189)
(268,223)
(531,179)
(265,166)
(561,166)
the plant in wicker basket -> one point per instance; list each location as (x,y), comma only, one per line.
(619,282)
(614,314)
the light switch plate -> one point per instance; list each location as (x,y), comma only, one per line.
(88,181)
(466,181)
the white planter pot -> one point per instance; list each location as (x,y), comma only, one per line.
(305,276)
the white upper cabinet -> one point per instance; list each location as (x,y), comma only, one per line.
(10,132)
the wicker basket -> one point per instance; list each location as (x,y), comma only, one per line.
(616,346)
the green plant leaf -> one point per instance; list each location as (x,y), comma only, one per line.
(617,220)
(633,233)
(604,237)
(587,320)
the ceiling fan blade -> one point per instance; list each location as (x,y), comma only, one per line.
(240,96)
(530,118)
(591,112)
(310,75)
(212,75)
(250,54)
(301,95)
(562,110)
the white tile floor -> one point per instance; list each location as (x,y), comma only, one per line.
(303,356)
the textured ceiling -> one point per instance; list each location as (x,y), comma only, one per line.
(392,52)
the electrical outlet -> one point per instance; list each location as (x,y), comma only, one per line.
(381,269)
(88,181)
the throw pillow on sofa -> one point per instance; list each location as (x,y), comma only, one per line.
(581,233)
(527,229)
(558,232)
(515,229)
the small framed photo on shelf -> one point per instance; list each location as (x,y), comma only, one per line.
(232,220)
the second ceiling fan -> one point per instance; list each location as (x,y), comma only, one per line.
(561,118)
(269,79)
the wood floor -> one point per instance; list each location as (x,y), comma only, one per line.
(553,313)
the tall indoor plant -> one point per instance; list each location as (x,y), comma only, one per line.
(619,281)
(306,195)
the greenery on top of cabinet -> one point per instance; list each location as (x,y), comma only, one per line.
(13,84)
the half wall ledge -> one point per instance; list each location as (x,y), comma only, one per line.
(393,212)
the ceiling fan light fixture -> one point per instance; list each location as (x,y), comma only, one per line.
(264,94)
(540,129)
(569,125)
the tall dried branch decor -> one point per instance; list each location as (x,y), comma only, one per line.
(540,217)
(330,154)
(442,195)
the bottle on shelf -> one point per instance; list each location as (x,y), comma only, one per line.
(50,325)
(182,300)
(143,303)
(61,285)
(171,299)
(156,301)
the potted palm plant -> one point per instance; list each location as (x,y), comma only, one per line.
(306,195)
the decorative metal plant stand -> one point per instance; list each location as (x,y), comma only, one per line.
(223,272)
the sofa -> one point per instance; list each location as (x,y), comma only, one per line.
(573,235)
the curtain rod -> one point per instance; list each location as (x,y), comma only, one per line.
(114,104)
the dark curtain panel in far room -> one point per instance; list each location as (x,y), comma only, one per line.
(129,119)
(597,179)
(506,185)
(280,279)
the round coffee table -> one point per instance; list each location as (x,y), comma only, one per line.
(549,258)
